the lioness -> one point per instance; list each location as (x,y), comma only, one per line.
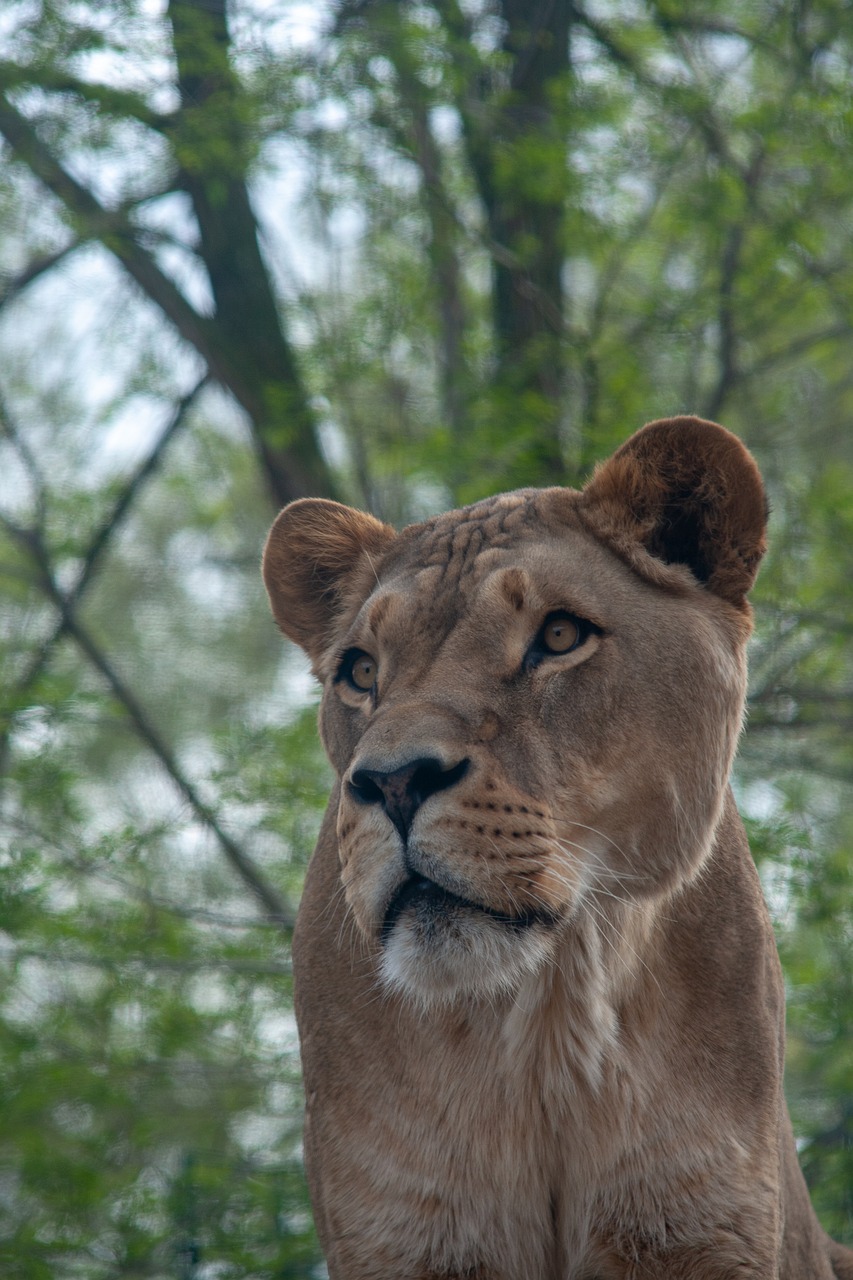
(537,988)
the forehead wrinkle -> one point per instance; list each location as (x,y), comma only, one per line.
(417,604)
(452,542)
(381,608)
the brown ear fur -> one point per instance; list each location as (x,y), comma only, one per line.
(318,556)
(688,492)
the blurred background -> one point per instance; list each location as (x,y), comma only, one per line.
(406,255)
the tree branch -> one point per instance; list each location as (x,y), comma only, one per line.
(110,100)
(798,347)
(116,234)
(38,267)
(273,903)
(96,549)
(285,441)
(145,961)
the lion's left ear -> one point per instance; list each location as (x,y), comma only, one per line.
(688,492)
(320,563)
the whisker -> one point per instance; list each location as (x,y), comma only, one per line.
(587,905)
(595,831)
(372,566)
(601,871)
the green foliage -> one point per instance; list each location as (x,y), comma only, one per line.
(147,1044)
(151,1099)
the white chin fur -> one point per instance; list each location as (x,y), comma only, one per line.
(478,959)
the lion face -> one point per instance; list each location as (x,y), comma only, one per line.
(500,718)
(532,720)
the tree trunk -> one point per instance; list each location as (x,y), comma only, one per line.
(210,140)
(516,144)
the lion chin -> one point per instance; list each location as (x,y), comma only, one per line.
(440,948)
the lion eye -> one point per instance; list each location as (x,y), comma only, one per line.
(360,670)
(560,634)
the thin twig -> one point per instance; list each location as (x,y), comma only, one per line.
(146,961)
(98,545)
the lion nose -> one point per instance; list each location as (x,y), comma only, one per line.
(401,792)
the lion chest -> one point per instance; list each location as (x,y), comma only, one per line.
(456,1167)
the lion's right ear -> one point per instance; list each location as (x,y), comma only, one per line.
(686,492)
(319,559)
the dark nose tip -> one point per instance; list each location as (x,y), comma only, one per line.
(401,792)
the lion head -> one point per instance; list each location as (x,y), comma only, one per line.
(532,703)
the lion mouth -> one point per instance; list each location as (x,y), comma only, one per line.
(432,903)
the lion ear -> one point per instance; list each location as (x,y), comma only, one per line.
(319,559)
(688,492)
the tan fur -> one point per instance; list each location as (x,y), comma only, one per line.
(537,988)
